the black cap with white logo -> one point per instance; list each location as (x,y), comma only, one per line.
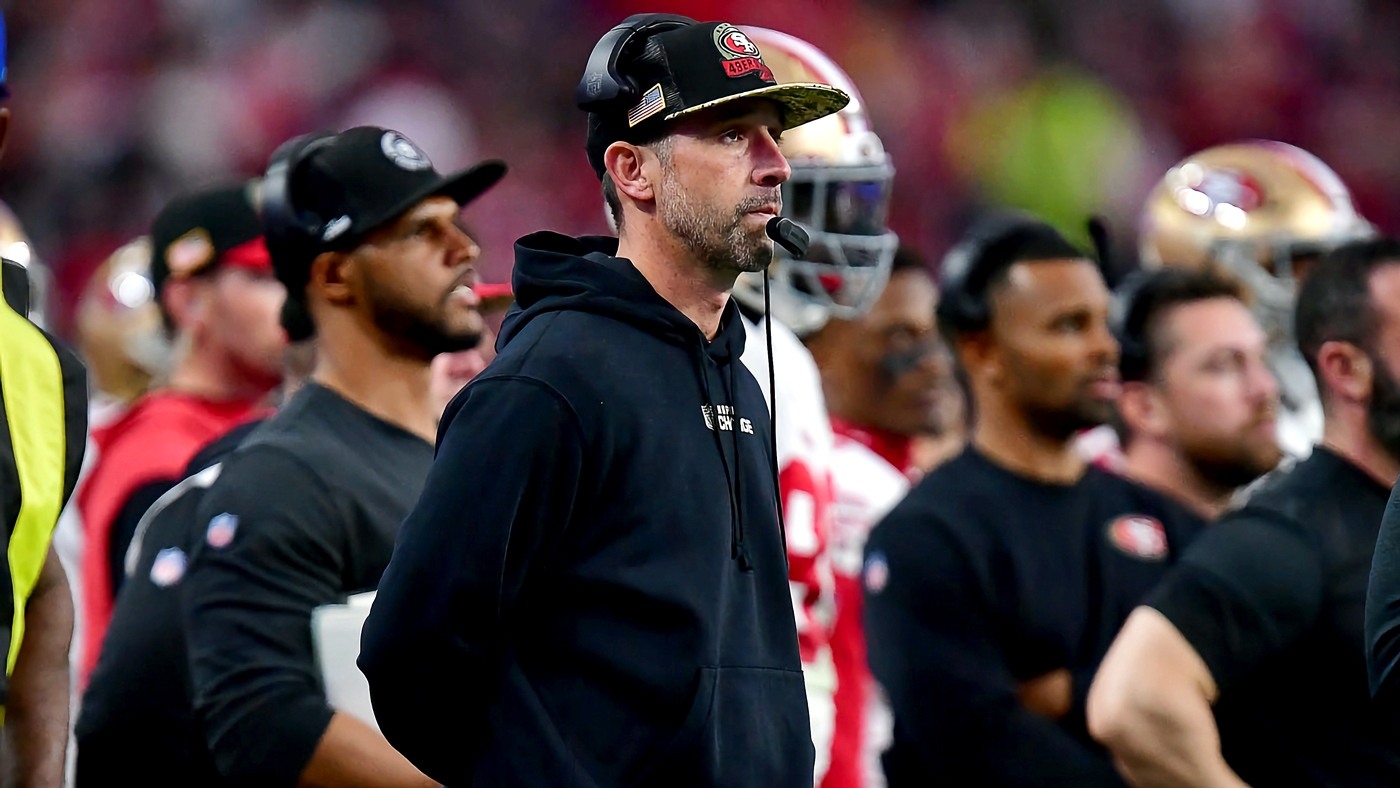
(360,180)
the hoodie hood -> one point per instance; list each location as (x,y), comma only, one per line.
(555,272)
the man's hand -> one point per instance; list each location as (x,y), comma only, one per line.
(1050,695)
(35,736)
(1151,705)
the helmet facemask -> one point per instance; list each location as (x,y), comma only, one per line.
(843,210)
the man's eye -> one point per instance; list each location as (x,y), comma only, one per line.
(732,135)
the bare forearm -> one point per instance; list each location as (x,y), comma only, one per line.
(36,713)
(352,753)
(1171,744)
(1150,704)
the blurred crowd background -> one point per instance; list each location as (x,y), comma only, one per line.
(1063,107)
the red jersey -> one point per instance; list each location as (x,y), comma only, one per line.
(871,471)
(151,442)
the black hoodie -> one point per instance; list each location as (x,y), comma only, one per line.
(592,590)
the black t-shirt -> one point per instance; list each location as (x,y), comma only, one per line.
(1273,598)
(982,579)
(137,715)
(303,514)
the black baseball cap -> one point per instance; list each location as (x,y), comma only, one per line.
(685,70)
(198,232)
(358,181)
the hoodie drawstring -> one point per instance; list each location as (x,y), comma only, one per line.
(737,549)
(745,560)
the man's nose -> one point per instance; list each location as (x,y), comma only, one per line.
(770,166)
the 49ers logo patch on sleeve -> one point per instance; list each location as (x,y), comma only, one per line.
(741,55)
(1139,536)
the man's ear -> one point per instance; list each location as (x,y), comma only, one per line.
(1345,371)
(1142,410)
(334,276)
(980,357)
(625,163)
(4,128)
(184,300)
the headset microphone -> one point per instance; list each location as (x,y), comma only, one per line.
(788,235)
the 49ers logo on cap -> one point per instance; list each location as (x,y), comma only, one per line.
(1139,536)
(741,56)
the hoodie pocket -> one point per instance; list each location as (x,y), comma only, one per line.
(745,727)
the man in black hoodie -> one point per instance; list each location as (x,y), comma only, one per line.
(591,590)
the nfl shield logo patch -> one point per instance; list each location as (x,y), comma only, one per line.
(221,530)
(877,573)
(169,567)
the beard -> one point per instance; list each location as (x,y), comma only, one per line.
(1383,411)
(1062,423)
(422,331)
(716,235)
(1232,464)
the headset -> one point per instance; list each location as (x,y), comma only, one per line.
(964,272)
(1128,325)
(962,304)
(282,222)
(603,82)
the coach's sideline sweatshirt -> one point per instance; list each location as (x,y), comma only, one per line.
(592,589)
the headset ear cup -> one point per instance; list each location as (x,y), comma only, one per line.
(282,222)
(603,82)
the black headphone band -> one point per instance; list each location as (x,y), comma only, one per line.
(1129,326)
(603,82)
(281,218)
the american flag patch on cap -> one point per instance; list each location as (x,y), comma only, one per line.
(652,102)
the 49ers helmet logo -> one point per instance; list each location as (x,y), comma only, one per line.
(1139,536)
(741,55)
(735,42)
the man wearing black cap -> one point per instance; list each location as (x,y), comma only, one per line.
(364,234)
(215,286)
(994,588)
(592,588)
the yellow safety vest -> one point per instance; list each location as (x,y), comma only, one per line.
(32,383)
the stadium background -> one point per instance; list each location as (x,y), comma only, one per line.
(1065,107)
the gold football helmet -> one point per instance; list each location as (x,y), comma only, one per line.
(121,333)
(1254,210)
(1258,211)
(1263,201)
(839,192)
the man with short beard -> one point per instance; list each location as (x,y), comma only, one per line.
(1247,665)
(992,590)
(592,589)
(364,233)
(1198,403)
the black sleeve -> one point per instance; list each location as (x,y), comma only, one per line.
(124,527)
(247,607)
(504,484)
(1383,610)
(931,645)
(1248,587)
(75,412)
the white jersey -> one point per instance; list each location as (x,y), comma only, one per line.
(804,437)
(804,443)
(866,486)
